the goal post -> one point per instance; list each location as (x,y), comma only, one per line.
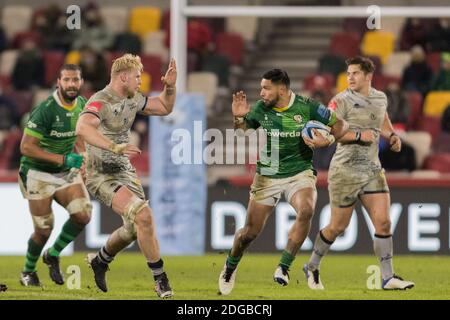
(180,11)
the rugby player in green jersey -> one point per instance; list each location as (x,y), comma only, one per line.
(49,170)
(285,167)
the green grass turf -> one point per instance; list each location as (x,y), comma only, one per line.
(195,278)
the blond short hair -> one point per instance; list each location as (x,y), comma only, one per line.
(126,62)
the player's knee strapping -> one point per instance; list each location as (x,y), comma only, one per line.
(128,234)
(44,222)
(133,208)
(79,205)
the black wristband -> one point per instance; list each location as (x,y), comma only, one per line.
(358,136)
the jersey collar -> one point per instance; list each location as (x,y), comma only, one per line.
(61,104)
(291,102)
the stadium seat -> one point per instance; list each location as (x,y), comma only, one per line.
(441,144)
(244,26)
(415,103)
(205,83)
(420,142)
(8,60)
(153,44)
(146,83)
(396,64)
(432,125)
(31,36)
(5,81)
(153,66)
(230,45)
(355,25)
(378,43)
(439,162)
(341,82)
(16,19)
(381,81)
(345,45)
(199,35)
(73,57)
(53,61)
(434,61)
(435,103)
(115,18)
(324,82)
(144,20)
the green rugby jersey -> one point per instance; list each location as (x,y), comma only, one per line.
(283,128)
(53,123)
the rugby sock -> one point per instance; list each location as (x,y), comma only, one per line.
(382,246)
(33,252)
(157,268)
(321,247)
(69,232)
(286,260)
(232,262)
(104,256)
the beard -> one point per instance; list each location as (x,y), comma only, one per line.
(272,103)
(69,97)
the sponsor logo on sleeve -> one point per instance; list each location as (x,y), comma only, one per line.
(94,106)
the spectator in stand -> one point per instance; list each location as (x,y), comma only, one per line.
(93,68)
(50,22)
(94,32)
(418,75)
(413,33)
(8,116)
(442,81)
(29,69)
(398,106)
(439,36)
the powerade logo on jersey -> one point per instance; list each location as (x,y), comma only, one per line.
(324,112)
(57,134)
(283,134)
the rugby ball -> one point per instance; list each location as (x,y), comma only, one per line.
(319,126)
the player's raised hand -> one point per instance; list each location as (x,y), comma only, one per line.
(170,78)
(239,106)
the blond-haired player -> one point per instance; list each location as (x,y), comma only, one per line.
(105,125)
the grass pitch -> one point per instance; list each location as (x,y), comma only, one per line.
(195,278)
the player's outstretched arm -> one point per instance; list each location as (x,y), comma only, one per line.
(87,129)
(163,104)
